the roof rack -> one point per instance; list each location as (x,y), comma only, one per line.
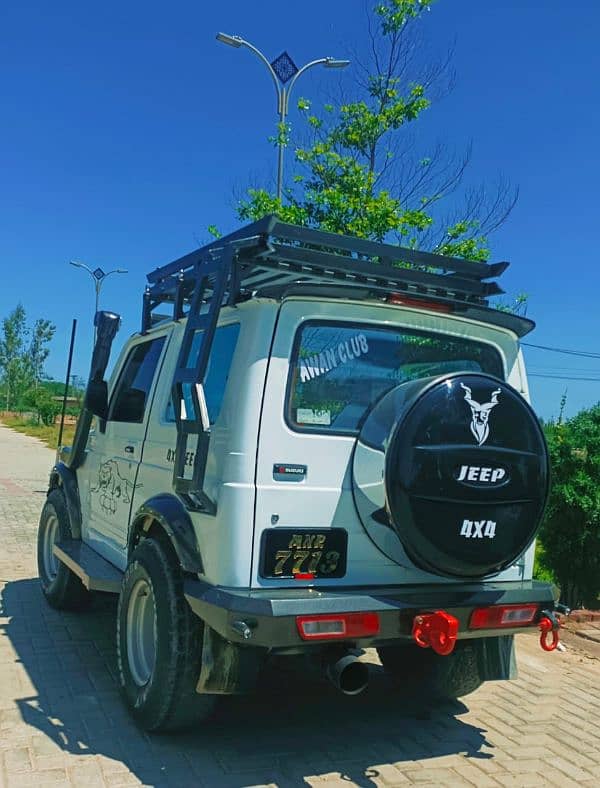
(271,255)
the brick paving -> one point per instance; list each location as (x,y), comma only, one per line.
(63,724)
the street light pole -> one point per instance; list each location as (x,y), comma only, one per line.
(99,277)
(282,70)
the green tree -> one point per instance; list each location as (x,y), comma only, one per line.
(22,361)
(13,366)
(38,351)
(354,175)
(570,532)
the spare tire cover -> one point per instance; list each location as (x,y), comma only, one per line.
(457,468)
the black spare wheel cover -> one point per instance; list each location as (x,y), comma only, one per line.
(456,467)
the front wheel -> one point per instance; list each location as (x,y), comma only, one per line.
(159,643)
(62,588)
(424,672)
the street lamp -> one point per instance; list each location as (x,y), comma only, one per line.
(282,70)
(98,275)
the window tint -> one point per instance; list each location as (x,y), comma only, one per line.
(131,395)
(339,370)
(217,373)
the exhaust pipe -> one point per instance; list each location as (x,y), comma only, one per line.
(348,674)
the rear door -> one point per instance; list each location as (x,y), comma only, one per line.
(155,476)
(330,362)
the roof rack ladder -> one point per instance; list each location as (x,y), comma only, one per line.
(211,276)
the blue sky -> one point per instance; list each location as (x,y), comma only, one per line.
(127,129)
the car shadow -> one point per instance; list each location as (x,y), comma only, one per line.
(296,724)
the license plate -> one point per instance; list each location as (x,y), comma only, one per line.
(291,552)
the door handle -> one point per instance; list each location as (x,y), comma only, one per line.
(129,449)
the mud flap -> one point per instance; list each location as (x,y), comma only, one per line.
(496,658)
(227,669)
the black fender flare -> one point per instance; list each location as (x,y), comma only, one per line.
(64,478)
(171,515)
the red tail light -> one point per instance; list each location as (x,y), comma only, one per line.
(500,616)
(339,626)
(417,303)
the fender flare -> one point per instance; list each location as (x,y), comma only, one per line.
(64,478)
(170,513)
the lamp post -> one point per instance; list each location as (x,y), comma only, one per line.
(99,276)
(282,70)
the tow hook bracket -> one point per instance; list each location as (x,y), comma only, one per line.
(436,630)
(549,624)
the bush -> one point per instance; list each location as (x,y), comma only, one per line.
(570,533)
(45,406)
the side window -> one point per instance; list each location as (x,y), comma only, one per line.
(217,373)
(128,402)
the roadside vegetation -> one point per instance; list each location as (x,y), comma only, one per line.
(29,402)
(47,434)
(23,353)
(569,545)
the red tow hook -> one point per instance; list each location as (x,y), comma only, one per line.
(549,623)
(438,630)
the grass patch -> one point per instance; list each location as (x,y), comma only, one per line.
(48,435)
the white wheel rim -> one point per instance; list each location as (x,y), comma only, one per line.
(50,538)
(141,633)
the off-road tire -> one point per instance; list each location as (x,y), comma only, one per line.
(423,672)
(63,589)
(168,700)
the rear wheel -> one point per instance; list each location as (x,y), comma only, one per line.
(159,643)
(423,672)
(61,587)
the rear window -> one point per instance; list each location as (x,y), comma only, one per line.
(338,370)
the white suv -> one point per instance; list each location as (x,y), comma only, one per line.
(324,444)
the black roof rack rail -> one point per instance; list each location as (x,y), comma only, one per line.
(271,252)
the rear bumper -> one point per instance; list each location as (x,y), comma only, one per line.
(270,614)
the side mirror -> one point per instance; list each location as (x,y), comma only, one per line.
(96,398)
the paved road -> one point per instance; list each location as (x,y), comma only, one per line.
(62,723)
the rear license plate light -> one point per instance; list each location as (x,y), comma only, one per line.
(340,626)
(499,616)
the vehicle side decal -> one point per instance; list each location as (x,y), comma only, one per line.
(112,488)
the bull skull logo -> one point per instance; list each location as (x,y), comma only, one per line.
(481,414)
